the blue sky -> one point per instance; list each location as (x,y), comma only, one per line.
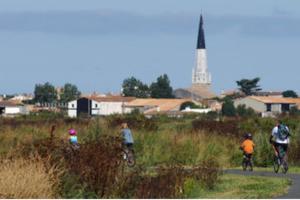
(96,44)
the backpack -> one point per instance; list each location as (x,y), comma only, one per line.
(282,133)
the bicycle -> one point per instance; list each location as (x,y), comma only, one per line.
(71,150)
(247,162)
(128,155)
(279,161)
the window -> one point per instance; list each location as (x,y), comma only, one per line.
(285,107)
(269,107)
(73,105)
(96,105)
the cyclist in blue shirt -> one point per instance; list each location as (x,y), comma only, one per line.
(127,136)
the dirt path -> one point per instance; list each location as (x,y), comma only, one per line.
(294,190)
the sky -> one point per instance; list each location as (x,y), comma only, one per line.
(96,44)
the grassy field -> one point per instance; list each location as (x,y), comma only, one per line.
(161,142)
(241,187)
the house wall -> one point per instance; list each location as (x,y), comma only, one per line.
(15,110)
(276,108)
(95,107)
(72,108)
(255,105)
(107,108)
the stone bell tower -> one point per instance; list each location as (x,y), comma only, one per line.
(201,78)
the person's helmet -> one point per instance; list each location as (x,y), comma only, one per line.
(248,136)
(72,131)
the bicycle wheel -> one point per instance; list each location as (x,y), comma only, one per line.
(130,159)
(285,167)
(276,164)
(250,163)
(244,164)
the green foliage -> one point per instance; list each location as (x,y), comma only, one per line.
(228,108)
(45,93)
(263,153)
(184,153)
(72,188)
(192,188)
(93,133)
(134,120)
(161,88)
(247,187)
(294,111)
(249,86)
(133,87)
(70,92)
(289,93)
(242,111)
(212,115)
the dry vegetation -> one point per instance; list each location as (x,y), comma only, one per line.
(27,178)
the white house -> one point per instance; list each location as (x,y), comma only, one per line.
(8,108)
(98,105)
(266,105)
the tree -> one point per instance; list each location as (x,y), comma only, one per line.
(133,87)
(289,93)
(69,92)
(242,111)
(228,108)
(45,93)
(161,88)
(249,86)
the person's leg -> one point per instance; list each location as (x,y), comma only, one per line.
(250,161)
(277,149)
(285,149)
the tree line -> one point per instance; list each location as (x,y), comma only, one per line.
(47,93)
(161,88)
(133,87)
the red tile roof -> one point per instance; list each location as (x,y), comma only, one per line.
(268,99)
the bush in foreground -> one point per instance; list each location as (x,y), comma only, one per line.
(22,178)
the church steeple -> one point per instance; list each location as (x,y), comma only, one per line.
(200,74)
(201,39)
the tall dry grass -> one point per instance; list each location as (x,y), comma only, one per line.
(21,178)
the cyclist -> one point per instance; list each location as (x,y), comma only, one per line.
(280,134)
(248,148)
(73,138)
(127,136)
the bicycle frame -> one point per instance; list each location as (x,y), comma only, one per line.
(279,160)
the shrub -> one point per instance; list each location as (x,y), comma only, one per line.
(263,153)
(22,178)
(167,184)
(229,127)
(134,120)
(228,108)
(242,111)
(99,165)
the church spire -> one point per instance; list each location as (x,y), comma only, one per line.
(201,39)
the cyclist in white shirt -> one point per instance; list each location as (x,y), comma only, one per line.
(280,139)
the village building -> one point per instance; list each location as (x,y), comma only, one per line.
(101,106)
(10,108)
(151,106)
(268,106)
